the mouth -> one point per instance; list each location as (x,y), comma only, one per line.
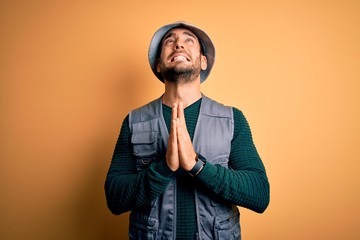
(179,58)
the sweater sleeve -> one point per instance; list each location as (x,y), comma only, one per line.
(245,182)
(126,188)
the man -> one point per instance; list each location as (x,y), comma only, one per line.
(183,162)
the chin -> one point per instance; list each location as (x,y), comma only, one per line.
(180,75)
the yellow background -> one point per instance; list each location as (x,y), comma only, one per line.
(70,71)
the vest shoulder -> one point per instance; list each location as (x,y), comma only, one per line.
(216,109)
(146,112)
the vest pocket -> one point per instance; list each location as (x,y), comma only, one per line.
(144,148)
(142,227)
(228,227)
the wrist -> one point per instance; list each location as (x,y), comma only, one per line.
(190,163)
(196,169)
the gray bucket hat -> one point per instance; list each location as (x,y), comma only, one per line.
(207,47)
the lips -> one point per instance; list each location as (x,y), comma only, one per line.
(179,58)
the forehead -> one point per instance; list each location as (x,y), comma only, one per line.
(180,31)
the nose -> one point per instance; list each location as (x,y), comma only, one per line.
(178,45)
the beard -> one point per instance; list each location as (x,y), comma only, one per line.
(180,74)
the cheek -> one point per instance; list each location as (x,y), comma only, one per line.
(160,64)
(163,57)
(165,51)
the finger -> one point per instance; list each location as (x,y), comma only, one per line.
(173,131)
(174,140)
(179,134)
(181,114)
(180,110)
(172,157)
(174,112)
(178,127)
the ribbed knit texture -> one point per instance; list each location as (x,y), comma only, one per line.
(125,188)
(244,183)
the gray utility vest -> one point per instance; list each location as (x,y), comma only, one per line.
(212,139)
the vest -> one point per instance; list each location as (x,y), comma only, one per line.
(216,219)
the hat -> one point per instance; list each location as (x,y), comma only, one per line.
(207,47)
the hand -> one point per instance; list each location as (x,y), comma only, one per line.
(186,150)
(180,150)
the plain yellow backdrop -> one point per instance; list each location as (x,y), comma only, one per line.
(70,71)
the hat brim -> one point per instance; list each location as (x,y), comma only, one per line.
(209,49)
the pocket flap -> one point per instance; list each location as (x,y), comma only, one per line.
(143,137)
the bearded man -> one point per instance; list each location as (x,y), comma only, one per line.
(184,162)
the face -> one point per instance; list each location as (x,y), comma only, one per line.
(181,58)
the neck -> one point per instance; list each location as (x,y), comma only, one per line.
(187,93)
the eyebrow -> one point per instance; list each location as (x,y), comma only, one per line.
(189,34)
(171,34)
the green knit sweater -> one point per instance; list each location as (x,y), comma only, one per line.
(244,184)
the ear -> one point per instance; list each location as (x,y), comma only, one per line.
(203,62)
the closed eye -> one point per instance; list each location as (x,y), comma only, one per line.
(190,40)
(168,41)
